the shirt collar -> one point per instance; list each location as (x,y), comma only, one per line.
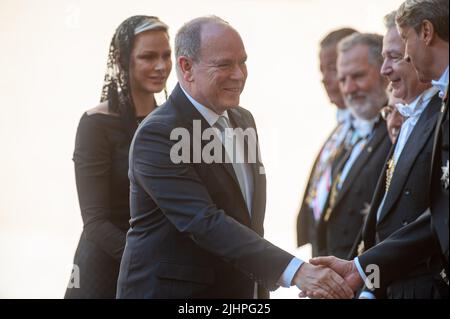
(442,83)
(209,115)
(343,115)
(416,107)
(364,128)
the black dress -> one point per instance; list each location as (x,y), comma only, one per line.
(101,171)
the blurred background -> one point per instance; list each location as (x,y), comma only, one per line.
(53,58)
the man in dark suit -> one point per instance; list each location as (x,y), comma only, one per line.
(320,179)
(356,176)
(429,43)
(433,42)
(405,251)
(197,208)
(402,196)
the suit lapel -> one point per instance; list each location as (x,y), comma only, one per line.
(369,227)
(416,142)
(437,132)
(189,113)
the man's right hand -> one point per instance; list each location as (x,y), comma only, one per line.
(346,269)
(321,282)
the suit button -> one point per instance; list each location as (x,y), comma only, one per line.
(407,192)
(404,223)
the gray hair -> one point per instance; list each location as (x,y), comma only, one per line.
(188,38)
(413,12)
(389,20)
(373,41)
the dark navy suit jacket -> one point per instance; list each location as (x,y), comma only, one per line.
(191,233)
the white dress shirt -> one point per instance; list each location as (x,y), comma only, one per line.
(442,83)
(343,115)
(362,134)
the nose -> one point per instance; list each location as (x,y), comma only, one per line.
(349,86)
(160,65)
(386,68)
(239,72)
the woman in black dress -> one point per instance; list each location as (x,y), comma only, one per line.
(139,64)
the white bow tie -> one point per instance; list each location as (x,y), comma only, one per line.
(441,86)
(406,110)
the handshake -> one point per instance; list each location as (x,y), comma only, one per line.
(328,277)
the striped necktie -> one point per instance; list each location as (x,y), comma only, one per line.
(222,124)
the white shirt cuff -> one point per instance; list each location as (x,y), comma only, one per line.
(366,295)
(289,273)
(360,270)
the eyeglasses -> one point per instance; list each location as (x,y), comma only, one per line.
(386,111)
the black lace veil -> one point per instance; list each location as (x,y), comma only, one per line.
(116,86)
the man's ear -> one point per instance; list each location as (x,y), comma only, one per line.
(185,65)
(427,32)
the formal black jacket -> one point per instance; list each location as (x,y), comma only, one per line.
(417,241)
(191,233)
(337,234)
(101,168)
(407,199)
(439,191)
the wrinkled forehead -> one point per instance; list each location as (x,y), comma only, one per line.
(392,36)
(354,59)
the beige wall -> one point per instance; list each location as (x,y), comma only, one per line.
(53,55)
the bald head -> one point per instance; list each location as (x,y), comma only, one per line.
(188,40)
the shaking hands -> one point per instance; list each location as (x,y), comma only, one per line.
(328,277)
